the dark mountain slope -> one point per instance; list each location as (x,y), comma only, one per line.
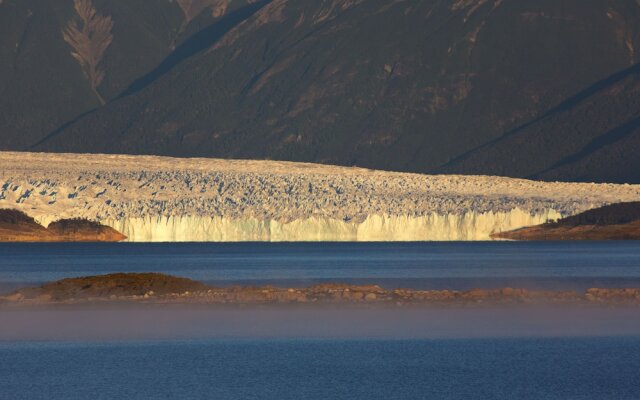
(594,136)
(613,157)
(194,44)
(404,85)
(43,86)
(539,88)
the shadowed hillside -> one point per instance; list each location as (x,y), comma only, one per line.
(540,89)
(613,222)
(614,214)
(51,69)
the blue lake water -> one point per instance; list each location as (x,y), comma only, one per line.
(566,368)
(417,265)
(325,354)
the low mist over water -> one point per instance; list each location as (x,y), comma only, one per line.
(170,322)
(311,351)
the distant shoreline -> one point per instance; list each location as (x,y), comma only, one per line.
(153,288)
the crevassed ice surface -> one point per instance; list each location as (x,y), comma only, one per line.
(151,198)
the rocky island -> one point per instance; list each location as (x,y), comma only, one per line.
(16,226)
(163,199)
(613,222)
(154,288)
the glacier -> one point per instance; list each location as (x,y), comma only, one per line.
(162,199)
(433,227)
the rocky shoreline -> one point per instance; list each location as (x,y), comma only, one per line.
(152,288)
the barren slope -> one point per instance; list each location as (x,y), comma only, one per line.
(542,88)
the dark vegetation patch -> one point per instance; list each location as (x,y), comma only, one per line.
(74,225)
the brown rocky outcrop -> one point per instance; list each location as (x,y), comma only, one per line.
(629,231)
(159,288)
(112,286)
(16,226)
(82,230)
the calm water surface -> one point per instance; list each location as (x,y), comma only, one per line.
(595,368)
(419,265)
(538,358)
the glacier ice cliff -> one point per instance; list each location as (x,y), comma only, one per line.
(152,198)
(467,226)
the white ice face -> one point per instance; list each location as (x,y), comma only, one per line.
(167,199)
